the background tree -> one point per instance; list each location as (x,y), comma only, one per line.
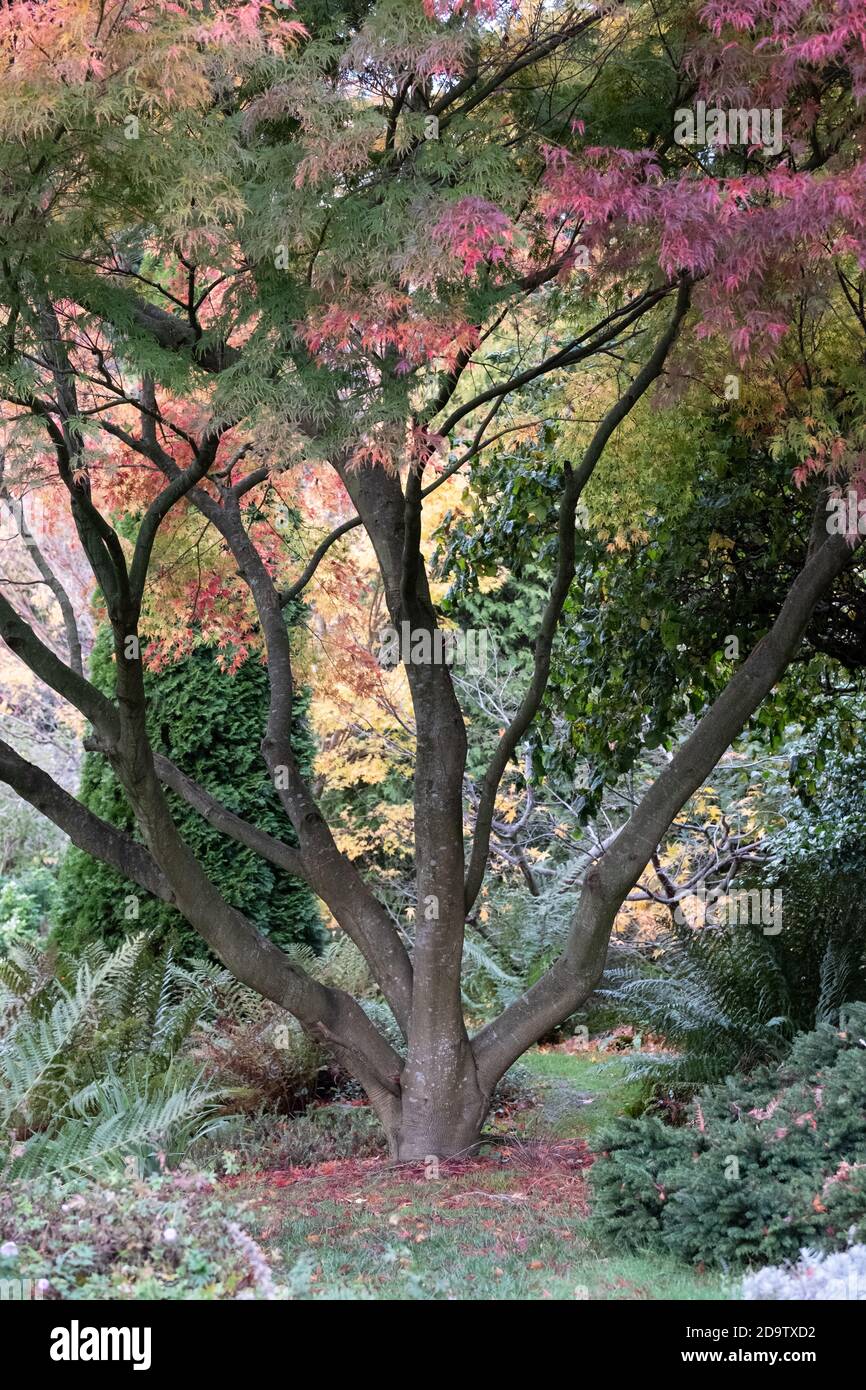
(202,718)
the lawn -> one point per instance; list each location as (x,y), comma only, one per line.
(512,1223)
(580,1092)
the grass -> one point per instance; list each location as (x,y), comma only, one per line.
(580,1092)
(509,1225)
(365,1231)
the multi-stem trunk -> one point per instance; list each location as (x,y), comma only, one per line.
(443,1108)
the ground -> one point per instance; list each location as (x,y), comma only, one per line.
(513,1222)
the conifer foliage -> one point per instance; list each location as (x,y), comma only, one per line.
(207,720)
(767,1164)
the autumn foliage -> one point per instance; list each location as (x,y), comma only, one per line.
(270,283)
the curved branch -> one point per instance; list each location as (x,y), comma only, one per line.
(22,640)
(329,1014)
(64,602)
(576,972)
(576,351)
(574,485)
(221,818)
(321,550)
(86,831)
(159,508)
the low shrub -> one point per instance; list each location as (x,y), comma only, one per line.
(766,1164)
(840,1276)
(261,1058)
(265,1142)
(120,1238)
(26,902)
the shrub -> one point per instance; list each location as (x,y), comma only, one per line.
(339,1130)
(814,1276)
(768,1163)
(26,903)
(166,1238)
(265,1142)
(262,1059)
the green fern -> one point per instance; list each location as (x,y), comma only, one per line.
(118,1120)
(37,1055)
(719,998)
(482,973)
(91,1066)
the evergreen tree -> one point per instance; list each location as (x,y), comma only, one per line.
(209,724)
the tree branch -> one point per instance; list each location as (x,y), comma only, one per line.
(22,640)
(64,603)
(567,983)
(576,351)
(574,485)
(221,818)
(86,831)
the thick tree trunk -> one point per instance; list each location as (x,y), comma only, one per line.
(442,1111)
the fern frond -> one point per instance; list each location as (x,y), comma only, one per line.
(131,1120)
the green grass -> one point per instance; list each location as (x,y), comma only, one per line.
(563,1078)
(476,1235)
(512,1226)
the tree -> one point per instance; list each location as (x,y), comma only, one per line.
(206,720)
(247,249)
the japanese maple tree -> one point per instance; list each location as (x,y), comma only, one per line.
(245,248)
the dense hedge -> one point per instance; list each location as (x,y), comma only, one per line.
(768,1163)
(211,725)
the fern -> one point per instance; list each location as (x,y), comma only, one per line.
(719,998)
(840,968)
(90,1069)
(36,1056)
(482,971)
(118,1119)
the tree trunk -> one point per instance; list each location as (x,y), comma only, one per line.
(443,1107)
